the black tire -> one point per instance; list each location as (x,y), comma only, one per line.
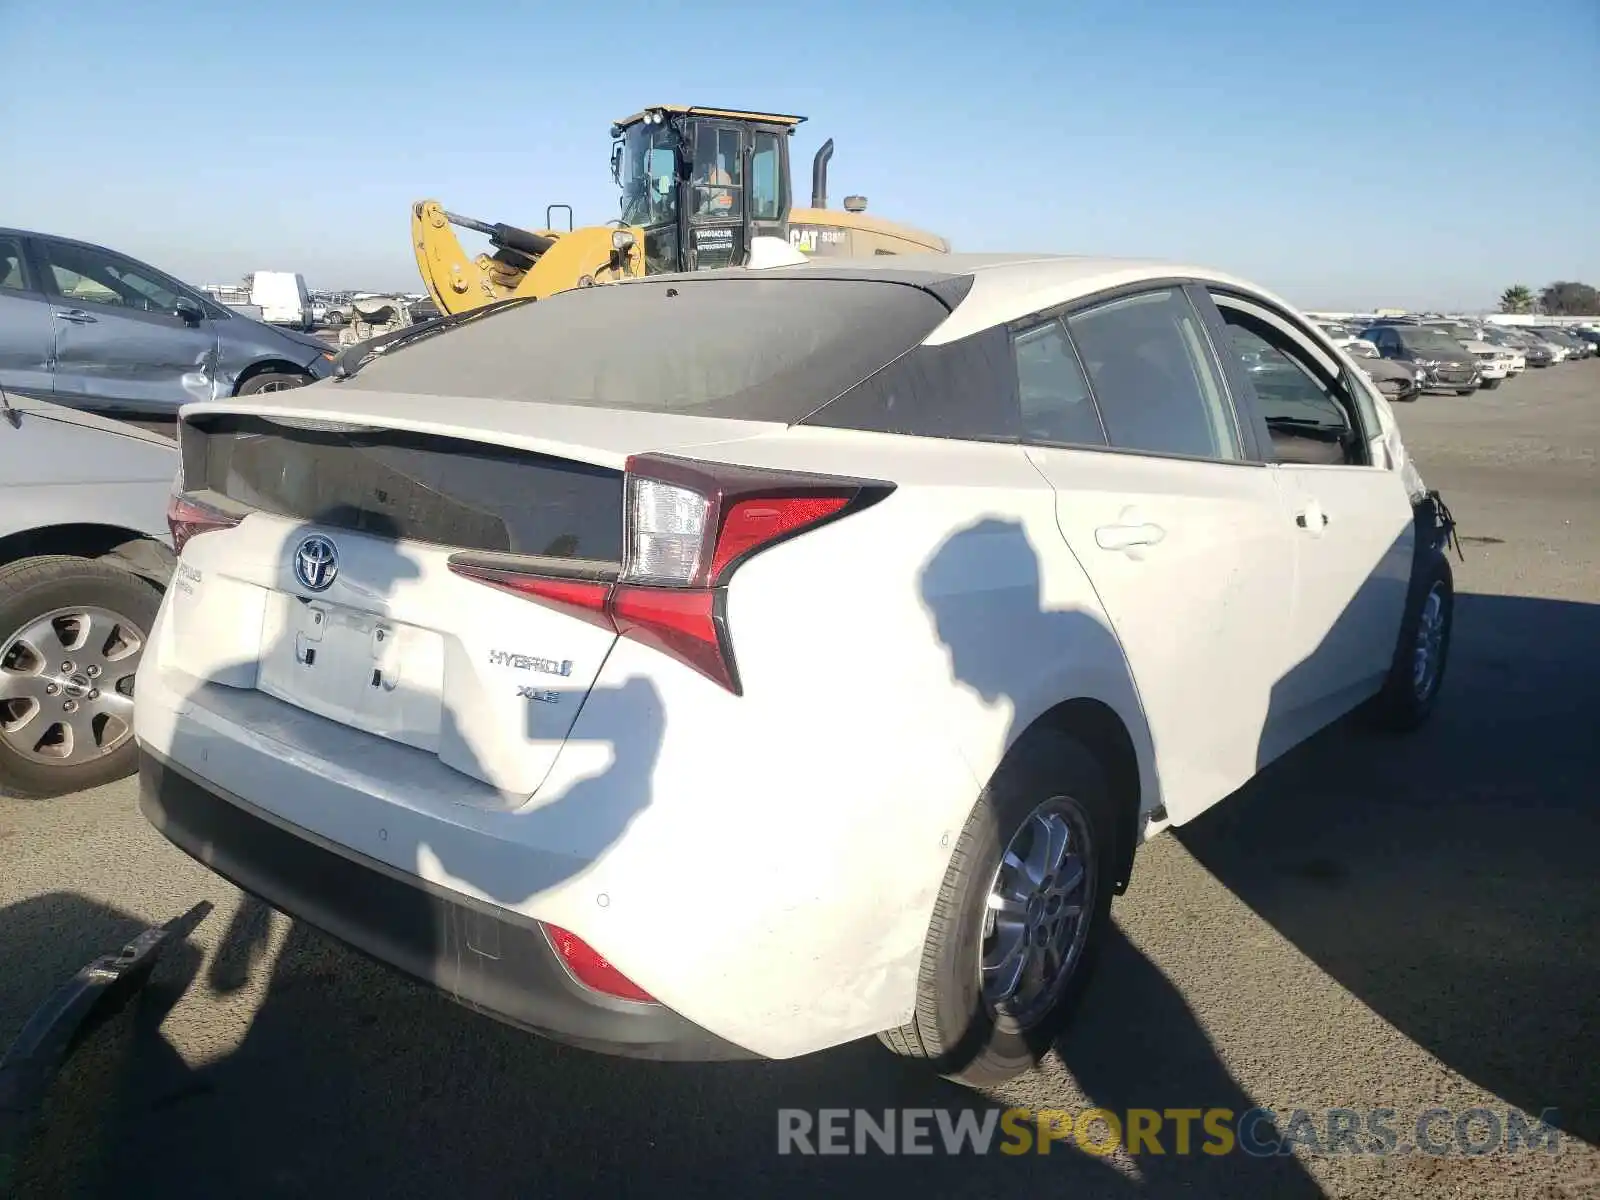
(1465,391)
(953,1027)
(29,589)
(1403,705)
(1489,385)
(273,381)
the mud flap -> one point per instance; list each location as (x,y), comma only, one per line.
(97,991)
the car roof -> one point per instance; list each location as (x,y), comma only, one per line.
(6,231)
(1004,287)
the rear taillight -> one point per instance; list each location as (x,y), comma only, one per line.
(188,518)
(689,527)
(583,963)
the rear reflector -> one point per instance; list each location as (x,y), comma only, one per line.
(583,963)
(188,518)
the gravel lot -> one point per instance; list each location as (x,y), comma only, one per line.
(1373,923)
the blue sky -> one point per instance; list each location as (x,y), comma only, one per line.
(1346,155)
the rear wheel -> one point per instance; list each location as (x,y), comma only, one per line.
(1020,917)
(273,381)
(72,633)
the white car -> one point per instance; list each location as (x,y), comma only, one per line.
(1343,339)
(742,663)
(1495,363)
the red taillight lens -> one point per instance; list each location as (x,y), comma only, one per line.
(681,622)
(586,599)
(585,965)
(188,519)
(747,525)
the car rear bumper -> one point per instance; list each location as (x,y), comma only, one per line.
(484,957)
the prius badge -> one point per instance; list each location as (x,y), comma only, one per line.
(316,562)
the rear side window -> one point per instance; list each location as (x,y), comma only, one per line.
(13,275)
(771,349)
(962,389)
(1056,405)
(1158,388)
(406,485)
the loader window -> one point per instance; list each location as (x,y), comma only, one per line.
(766,202)
(716,173)
(649,177)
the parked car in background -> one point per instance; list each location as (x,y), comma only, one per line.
(497,645)
(94,329)
(1534,352)
(1560,352)
(1495,364)
(84,556)
(1343,336)
(1575,346)
(1484,335)
(1396,380)
(1445,363)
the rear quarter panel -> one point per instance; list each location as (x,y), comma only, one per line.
(778,884)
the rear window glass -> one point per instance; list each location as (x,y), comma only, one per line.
(757,349)
(407,485)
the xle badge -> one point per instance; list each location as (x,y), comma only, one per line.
(543,697)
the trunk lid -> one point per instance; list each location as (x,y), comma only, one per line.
(334,593)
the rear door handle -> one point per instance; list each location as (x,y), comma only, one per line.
(1128,537)
(76,315)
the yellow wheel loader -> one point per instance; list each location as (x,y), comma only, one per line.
(702,188)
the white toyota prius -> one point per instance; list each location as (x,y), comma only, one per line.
(740,663)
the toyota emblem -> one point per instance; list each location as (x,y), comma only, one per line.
(316,563)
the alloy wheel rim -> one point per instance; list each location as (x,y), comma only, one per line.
(1429,643)
(1037,913)
(66,685)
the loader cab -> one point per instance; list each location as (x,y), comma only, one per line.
(703,182)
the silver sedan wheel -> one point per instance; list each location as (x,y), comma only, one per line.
(1429,644)
(1041,902)
(66,685)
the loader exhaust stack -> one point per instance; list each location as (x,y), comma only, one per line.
(819,175)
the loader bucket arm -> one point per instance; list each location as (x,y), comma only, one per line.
(525,262)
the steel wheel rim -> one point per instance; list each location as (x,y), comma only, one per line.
(1037,912)
(66,685)
(1429,643)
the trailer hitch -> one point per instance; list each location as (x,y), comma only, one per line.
(98,990)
